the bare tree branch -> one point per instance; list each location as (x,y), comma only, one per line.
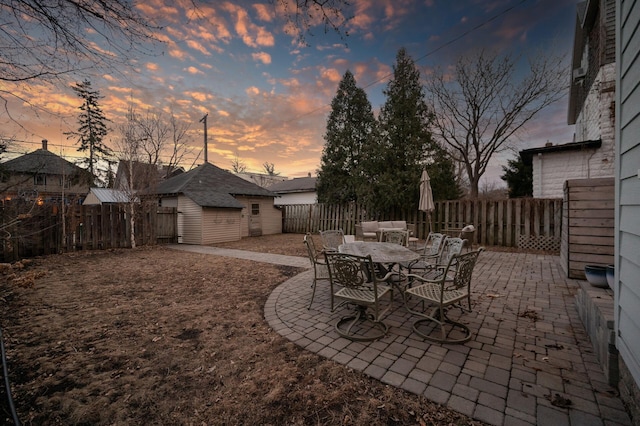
(481,107)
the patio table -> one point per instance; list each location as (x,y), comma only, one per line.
(386,253)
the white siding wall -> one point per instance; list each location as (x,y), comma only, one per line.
(627,288)
(271,217)
(596,121)
(190,215)
(297,198)
(91,200)
(220,225)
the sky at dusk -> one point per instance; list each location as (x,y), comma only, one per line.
(268,97)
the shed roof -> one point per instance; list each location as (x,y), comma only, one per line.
(304,184)
(211,186)
(526,154)
(108,195)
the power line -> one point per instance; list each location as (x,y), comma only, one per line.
(370,84)
(426,55)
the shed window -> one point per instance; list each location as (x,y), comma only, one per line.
(255,209)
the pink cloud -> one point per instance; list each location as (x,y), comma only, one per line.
(252,35)
(263,57)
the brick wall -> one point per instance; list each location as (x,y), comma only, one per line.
(596,121)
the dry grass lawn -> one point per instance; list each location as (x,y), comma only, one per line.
(156,336)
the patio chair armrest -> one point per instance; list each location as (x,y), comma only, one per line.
(421,278)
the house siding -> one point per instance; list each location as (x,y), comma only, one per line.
(296,198)
(19,184)
(627,193)
(595,121)
(220,225)
(91,200)
(190,220)
(270,216)
(272,219)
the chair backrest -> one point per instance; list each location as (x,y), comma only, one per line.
(395,236)
(350,271)
(434,243)
(331,239)
(452,247)
(463,265)
(311,248)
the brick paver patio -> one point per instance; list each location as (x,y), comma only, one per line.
(528,358)
(529,361)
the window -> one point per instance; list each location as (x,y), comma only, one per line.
(66,182)
(40,179)
(255,209)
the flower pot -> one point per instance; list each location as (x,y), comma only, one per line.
(610,275)
(596,275)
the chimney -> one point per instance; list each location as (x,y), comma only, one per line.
(309,174)
(44,144)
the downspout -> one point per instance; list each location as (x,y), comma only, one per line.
(589,163)
(540,177)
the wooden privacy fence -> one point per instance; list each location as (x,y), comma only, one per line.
(30,230)
(588,225)
(525,223)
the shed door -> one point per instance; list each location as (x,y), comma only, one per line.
(255,223)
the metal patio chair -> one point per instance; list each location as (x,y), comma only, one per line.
(449,289)
(332,239)
(395,236)
(320,270)
(430,255)
(359,286)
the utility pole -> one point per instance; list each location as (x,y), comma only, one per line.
(204,120)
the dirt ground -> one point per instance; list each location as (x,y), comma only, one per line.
(156,336)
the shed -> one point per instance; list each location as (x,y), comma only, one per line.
(215,206)
(99,196)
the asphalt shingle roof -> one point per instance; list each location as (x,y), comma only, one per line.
(304,184)
(41,161)
(211,186)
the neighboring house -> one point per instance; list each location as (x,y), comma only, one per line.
(43,176)
(261,179)
(591,107)
(145,175)
(627,201)
(99,196)
(295,191)
(215,206)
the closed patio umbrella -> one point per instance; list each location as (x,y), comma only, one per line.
(426,196)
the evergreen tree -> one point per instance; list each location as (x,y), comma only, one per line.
(92,129)
(442,174)
(351,129)
(406,144)
(519,177)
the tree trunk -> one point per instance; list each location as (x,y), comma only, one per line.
(132,222)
